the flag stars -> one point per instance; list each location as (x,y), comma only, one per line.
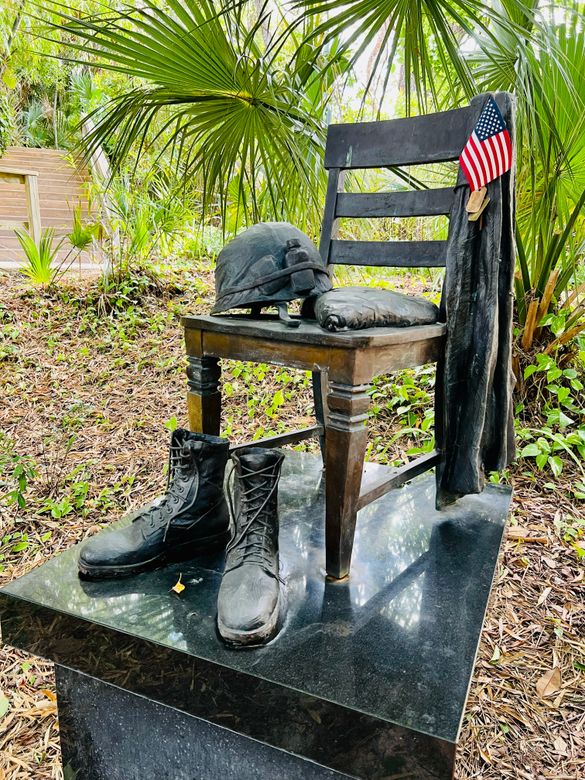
(488,151)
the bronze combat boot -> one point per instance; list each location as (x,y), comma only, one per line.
(190,519)
(249,601)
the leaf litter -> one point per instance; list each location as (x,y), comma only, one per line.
(114,384)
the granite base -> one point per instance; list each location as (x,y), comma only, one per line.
(367,677)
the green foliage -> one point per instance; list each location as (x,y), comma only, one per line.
(9,335)
(42,265)
(39,257)
(16,471)
(560,435)
(73,500)
(404,401)
(263,407)
(171,424)
(5,123)
(425,38)
(35,80)
(36,124)
(82,233)
(145,220)
(572,530)
(214,94)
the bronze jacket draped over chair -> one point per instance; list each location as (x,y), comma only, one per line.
(474,405)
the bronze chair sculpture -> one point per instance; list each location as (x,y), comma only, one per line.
(344,364)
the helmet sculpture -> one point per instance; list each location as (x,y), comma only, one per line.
(269,264)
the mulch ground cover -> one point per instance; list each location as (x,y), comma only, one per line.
(88,395)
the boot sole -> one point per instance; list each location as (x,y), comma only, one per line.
(254,638)
(182,552)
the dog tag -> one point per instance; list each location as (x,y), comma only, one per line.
(476,215)
(475,201)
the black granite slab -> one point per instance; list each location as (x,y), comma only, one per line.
(107,733)
(368,676)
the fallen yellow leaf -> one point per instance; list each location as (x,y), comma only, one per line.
(549,683)
(49,694)
(178,587)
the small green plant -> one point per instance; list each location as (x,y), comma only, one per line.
(16,471)
(171,424)
(17,542)
(42,265)
(39,257)
(81,236)
(9,336)
(572,530)
(557,392)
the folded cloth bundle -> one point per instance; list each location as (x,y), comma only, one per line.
(350,308)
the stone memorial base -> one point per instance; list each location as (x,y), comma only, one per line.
(107,732)
(368,677)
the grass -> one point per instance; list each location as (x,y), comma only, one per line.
(88,397)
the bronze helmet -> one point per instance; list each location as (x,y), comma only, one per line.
(270,263)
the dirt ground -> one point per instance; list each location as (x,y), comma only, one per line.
(87,394)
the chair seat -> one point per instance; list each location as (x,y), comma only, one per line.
(309,332)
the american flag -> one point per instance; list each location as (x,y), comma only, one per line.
(488,152)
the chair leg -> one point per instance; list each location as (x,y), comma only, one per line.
(319,380)
(346,441)
(204,395)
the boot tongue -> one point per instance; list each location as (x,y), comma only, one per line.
(182,450)
(257,472)
(256,458)
(179,437)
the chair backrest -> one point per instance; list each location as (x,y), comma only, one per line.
(431,138)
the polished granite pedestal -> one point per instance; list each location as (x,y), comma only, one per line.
(367,678)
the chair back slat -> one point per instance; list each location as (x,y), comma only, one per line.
(421,139)
(398,254)
(393,143)
(412,203)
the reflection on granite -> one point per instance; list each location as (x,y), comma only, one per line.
(107,733)
(367,676)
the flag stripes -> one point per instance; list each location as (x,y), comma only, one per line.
(488,151)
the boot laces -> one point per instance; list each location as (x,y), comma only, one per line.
(252,539)
(180,457)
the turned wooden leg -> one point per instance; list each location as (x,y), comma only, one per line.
(204,395)
(346,441)
(319,379)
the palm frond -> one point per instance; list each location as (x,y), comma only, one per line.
(210,94)
(426,37)
(39,256)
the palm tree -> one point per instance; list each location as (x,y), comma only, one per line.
(230,104)
(545,69)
